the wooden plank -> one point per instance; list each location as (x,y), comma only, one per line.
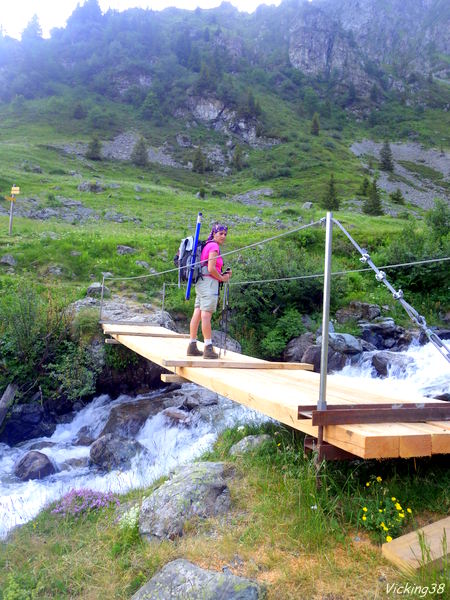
(223,364)
(405,552)
(172,378)
(149,334)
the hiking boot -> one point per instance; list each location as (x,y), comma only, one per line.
(193,350)
(208,352)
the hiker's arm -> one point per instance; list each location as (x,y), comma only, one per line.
(212,270)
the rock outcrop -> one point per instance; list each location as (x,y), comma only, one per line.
(199,490)
(182,580)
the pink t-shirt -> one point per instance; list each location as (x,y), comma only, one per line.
(211,247)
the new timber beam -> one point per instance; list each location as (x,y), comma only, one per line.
(224,364)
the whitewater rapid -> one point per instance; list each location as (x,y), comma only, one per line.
(167,444)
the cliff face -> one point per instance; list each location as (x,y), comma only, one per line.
(358,39)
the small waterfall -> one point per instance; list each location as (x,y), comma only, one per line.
(168,445)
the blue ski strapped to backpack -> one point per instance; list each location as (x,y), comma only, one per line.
(187,260)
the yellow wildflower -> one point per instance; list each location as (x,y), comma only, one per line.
(393,498)
(388,538)
(379,510)
(409,510)
(365,508)
(368,484)
(364,518)
(402,515)
(397,506)
(379,479)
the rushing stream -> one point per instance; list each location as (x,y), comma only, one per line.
(168,444)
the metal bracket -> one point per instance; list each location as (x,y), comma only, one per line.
(326,451)
(346,414)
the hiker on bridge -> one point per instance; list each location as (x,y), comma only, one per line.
(207,291)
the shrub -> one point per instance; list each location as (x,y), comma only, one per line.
(286,327)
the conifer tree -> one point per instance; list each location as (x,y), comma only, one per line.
(139,156)
(94,150)
(237,158)
(397,196)
(372,205)
(198,164)
(364,187)
(386,162)
(315,124)
(330,200)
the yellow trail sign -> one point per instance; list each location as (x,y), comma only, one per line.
(10,198)
(15,190)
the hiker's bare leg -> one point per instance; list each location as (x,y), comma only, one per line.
(206,324)
(195,322)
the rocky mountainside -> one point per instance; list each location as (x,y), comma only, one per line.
(364,42)
(350,50)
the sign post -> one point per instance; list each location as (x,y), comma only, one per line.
(15,191)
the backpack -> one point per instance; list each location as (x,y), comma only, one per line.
(184,258)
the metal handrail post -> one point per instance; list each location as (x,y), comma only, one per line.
(322,402)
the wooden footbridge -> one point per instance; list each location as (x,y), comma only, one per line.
(360,420)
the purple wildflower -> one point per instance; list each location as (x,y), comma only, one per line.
(81,501)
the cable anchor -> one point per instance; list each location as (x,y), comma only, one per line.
(365,256)
(380,276)
(398,295)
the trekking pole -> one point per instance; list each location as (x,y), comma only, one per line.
(224,321)
(227,301)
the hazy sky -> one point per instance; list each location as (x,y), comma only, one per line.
(16,14)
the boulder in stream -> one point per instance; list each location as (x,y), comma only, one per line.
(34,465)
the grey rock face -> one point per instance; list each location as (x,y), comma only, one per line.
(111,452)
(197,490)
(249,443)
(91,186)
(221,341)
(182,580)
(296,348)
(255,197)
(34,465)
(8,259)
(385,360)
(26,421)
(319,46)
(384,334)
(336,360)
(343,342)
(127,419)
(121,249)
(95,290)
(358,310)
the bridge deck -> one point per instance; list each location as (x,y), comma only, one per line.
(278,393)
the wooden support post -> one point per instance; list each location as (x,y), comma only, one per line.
(173,378)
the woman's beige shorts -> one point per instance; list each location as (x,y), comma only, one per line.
(207,294)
